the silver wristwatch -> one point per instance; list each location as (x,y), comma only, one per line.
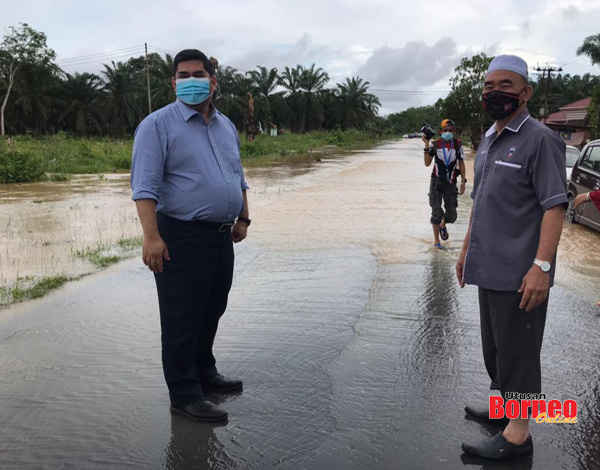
(545,266)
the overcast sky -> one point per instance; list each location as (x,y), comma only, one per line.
(406,46)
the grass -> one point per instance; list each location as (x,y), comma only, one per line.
(106,255)
(27,158)
(302,144)
(28,288)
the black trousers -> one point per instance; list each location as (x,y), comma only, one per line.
(192,295)
(512,341)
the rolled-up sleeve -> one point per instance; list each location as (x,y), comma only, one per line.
(549,172)
(243,178)
(148,160)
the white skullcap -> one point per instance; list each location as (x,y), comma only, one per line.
(511,63)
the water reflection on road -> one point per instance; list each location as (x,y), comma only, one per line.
(357,347)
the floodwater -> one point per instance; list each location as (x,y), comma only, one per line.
(42,225)
(357,348)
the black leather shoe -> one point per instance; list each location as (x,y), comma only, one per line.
(201,410)
(498,448)
(218,383)
(483,415)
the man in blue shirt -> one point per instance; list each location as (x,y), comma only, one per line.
(190,192)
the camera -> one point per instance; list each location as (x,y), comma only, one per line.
(427,131)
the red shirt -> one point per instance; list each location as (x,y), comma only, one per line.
(595,198)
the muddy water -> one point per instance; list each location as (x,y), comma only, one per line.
(43,224)
(357,348)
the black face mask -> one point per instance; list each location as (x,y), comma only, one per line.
(500,104)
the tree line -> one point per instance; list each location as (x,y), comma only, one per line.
(38,97)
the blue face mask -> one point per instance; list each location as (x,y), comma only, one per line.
(447,135)
(193,90)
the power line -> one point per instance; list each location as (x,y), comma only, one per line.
(97,54)
(575,61)
(159,49)
(102,59)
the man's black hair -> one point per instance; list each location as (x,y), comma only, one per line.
(193,54)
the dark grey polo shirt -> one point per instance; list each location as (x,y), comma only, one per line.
(519,174)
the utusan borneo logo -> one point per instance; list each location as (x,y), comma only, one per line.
(522,405)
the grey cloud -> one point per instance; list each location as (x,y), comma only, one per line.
(525,29)
(304,52)
(416,64)
(570,12)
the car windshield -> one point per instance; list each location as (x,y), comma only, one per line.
(572,156)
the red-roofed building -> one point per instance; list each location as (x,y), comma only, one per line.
(571,122)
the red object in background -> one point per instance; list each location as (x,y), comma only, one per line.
(595,198)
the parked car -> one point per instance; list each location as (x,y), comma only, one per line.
(573,155)
(585,177)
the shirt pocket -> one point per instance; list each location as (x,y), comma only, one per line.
(502,163)
(511,179)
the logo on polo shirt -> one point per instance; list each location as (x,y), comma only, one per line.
(511,152)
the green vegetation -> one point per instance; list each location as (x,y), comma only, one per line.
(28,288)
(38,97)
(294,144)
(60,155)
(106,254)
(20,166)
(27,158)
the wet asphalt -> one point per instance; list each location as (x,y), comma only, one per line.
(352,358)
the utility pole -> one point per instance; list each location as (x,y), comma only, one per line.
(546,85)
(148,80)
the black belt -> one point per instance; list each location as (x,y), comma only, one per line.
(219,226)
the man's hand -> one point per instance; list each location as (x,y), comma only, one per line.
(426,140)
(239,231)
(154,250)
(535,288)
(463,186)
(460,267)
(580,200)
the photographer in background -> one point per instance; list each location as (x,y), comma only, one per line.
(444,153)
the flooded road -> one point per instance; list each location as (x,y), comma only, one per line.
(357,348)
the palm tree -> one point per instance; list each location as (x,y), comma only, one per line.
(161,71)
(229,97)
(591,48)
(303,88)
(265,82)
(82,101)
(355,105)
(120,91)
(35,99)
(312,83)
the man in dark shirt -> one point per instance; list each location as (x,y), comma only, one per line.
(510,249)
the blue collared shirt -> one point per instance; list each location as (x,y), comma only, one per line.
(191,169)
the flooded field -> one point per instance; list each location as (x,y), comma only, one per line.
(357,348)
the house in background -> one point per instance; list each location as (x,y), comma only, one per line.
(571,122)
